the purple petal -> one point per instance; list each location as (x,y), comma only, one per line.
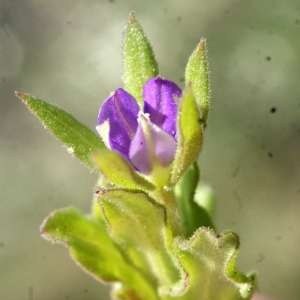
(151,143)
(159,102)
(121,111)
(139,152)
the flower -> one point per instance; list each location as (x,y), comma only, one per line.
(147,138)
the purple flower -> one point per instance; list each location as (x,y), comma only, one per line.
(145,138)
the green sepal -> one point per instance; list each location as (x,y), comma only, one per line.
(138,58)
(138,223)
(118,171)
(190,134)
(208,268)
(194,215)
(93,249)
(196,72)
(79,139)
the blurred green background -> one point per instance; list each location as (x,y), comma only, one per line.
(69,53)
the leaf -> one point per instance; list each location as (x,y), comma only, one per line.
(205,198)
(138,58)
(118,171)
(194,216)
(208,266)
(189,135)
(137,222)
(196,72)
(94,250)
(78,138)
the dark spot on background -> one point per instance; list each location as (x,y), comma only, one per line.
(179,19)
(69,23)
(181,79)
(268,58)
(85,290)
(270,154)
(2,244)
(166,10)
(273,110)
(3,78)
(297,21)
(261,258)
(112,1)
(279,238)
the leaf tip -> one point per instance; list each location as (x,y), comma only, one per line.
(202,44)
(20,95)
(131,18)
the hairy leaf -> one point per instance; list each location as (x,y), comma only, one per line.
(79,139)
(95,251)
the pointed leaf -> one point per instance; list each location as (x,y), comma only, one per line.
(118,171)
(208,264)
(78,138)
(93,249)
(194,216)
(137,222)
(138,58)
(196,72)
(189,135)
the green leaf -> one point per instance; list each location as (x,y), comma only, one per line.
(139,61)
(189,135)
(94,250)
(78,138)
(118,171)
(208,268)
(196,72)
(205,198)
(194,216)
(138,223)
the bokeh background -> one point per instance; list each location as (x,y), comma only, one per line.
(69,53)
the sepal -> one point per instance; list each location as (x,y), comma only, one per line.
(138,58)
(196,72)
(190,135)
(117,170)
